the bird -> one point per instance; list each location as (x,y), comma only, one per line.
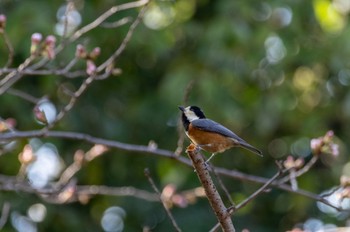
(209,135)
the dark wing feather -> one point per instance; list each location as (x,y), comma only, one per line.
(210,125)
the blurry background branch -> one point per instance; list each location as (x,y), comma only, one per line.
(159,152)
(60,100)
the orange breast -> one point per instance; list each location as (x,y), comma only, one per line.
(209,141)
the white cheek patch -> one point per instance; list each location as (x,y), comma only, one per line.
(190,115)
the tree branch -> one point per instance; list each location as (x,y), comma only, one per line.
(4,214)
(212,194)
(167,210)
(155,151)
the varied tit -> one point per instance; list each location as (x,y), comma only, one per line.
(209,135)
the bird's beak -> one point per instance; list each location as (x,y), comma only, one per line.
(182,108)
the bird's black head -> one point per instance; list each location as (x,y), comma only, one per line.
(189,114)
(197,111)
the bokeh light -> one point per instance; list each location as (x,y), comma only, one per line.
(113,219)
(344,76)
(263,11)
(282,16)
(328,16)
(68,20)
(37,212)
(278,148)
(313,224)
(159,16)
(275,49)
(343,6)
(22,223)
(334,197)
(46,166)
(301,147)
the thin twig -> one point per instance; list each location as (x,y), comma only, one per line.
(9,48)
(14,76)
(223,187)
(43,72)
(167,210)
(11,183)
(106,15)
(23,95)
(256,193)
(233,208)
(84,86)
(301,171)
(117,191)
(69,7)
(71,102)
(125,42)
(118,23)
(4,214)
(181,134)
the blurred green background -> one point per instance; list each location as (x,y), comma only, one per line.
(275,72)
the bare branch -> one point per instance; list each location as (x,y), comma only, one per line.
(233,208)
(116,191)
(301,171)
(23,95)
(69,7)
(106,15)
(212,194)
(14,76)
(118,23)
(160,152)
(43,72)
(256,193)
(126,40)
(167,210)
(4,214)
(10,183)
(9,48)
(221,183)
(181,134)
(72,101)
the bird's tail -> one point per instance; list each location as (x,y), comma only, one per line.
(250,148)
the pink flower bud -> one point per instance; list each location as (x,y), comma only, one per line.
(2,22)
(39,115)
(334,149)
(7,124)
(325,145)
(49,48)
(344,181)
(27,155)
(90,67)
(328,137)
(290,162)
(80,51)
(2,18)
(36,38)
(95,53)
(50,40)
(316,144)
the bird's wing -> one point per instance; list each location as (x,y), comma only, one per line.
(211,126)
